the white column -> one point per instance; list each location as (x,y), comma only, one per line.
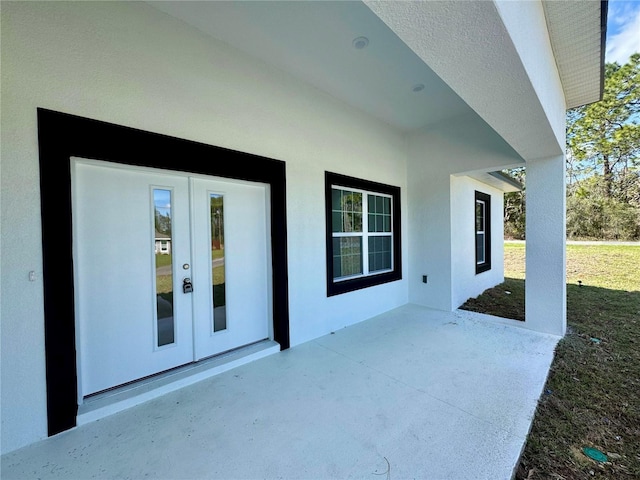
(546,290)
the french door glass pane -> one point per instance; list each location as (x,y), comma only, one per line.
(164,266)
(217,262)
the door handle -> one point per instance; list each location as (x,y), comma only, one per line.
(187,286)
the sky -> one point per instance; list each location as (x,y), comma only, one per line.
(623,30)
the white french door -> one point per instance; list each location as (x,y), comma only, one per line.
(168,269)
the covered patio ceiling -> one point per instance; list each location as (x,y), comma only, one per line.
(415,64)
(341,48)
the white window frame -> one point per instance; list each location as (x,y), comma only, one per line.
(365,234)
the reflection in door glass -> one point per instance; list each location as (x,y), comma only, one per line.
(164,266)
(217,262)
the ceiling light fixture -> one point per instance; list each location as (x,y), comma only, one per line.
(360,43)
(417,88)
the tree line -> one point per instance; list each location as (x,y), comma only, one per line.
(603,164)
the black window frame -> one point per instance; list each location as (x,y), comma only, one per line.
(486,264)
(349,285)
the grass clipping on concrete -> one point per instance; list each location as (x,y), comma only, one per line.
(592,395)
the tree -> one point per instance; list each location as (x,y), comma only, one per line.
(603,163)
(603,138)
(603,159)
(515,208)
(591,215)
(217,221)
(163,222)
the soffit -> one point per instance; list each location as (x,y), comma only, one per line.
(577,32)
(501,181)
(497,179)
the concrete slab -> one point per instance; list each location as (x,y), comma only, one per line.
(412,393)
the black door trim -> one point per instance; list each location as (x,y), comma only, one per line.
(62,136)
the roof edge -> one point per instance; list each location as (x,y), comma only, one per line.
(506,178)
(604,15)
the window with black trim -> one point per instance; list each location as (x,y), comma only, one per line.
(363,233)
(483,232)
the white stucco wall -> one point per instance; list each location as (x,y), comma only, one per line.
(129,64)
(433,156)
(496,55)
(527,28)
(465,282)
(490,54)
(546,248)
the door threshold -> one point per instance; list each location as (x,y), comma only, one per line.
(130,395)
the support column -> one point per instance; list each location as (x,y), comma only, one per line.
(546,289)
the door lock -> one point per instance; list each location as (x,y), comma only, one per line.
(187,287)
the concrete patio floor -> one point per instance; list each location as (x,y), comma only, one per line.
(437,395)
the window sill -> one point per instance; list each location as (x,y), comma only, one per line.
(350,285)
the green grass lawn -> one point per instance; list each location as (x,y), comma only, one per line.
(592,395)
